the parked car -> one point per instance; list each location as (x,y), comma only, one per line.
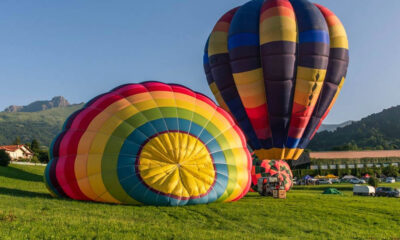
(335,180)
(324,181)
(357,181)
(390,180)
(387,192)
(363,190)
(398,179)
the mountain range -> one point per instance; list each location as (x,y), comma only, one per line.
(37,106)
(333,127)
(43,120)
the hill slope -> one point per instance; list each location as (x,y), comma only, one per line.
(377,131)
(42,125)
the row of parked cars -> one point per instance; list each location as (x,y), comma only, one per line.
(364,190)
(354,180)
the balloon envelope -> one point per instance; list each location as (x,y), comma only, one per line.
(272,168)
(150,143)
(277,66)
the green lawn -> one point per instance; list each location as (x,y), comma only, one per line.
(28,212)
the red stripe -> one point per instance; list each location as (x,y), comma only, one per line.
(325,11)
(183,90)
(156,86)
(227,17)
(275,3)
(259,120)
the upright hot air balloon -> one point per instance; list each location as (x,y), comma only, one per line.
(150,143)
(277,66)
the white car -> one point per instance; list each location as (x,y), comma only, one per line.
(390,180)
(335,180)
(324,181)
(356,181)
(363,190)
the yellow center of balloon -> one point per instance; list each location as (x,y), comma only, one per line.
(178,164)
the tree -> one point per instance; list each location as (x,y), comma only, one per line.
(35,146)
(17,141)
(373,181)
(391,171)
(4,158)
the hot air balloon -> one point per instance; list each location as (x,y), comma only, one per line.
(277,66)
(272,168)
(150,143)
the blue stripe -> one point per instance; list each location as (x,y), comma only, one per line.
(314,36)
(243,39)
(292,142)
(129,178)
(205,58)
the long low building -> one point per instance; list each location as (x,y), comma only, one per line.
(347,159)
(355,154)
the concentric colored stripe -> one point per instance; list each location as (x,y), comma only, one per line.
(129,116)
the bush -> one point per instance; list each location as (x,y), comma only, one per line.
(35,159)
(373,181)
(43,156)
(4,158)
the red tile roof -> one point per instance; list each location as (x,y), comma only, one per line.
(13,148)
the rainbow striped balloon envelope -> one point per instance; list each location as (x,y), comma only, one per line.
(150,143)
(278,67)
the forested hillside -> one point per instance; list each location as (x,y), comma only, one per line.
(42,125)
(379,131)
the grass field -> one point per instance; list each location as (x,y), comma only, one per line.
(28,212)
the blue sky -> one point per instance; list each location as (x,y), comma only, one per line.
(79,49)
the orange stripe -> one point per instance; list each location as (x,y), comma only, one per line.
(277,11)
(221,27)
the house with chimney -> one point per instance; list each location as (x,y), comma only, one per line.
(17,152)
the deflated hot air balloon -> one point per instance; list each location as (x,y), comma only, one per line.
(272,168)
(277,66)
(150,143)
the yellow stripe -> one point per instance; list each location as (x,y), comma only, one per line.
(250,86)
(305,83)
(304,90)
(310,74)
(218,96)
(279,28)
(279,153)
(218,43)
(338,37)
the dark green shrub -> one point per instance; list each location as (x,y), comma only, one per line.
(4,158)
(373,181)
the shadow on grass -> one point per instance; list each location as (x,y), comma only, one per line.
(16,173)
(22,193)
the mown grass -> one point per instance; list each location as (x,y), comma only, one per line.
(28,212)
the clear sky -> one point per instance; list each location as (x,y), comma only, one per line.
(79,49)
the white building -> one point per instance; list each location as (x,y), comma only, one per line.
(17,152)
